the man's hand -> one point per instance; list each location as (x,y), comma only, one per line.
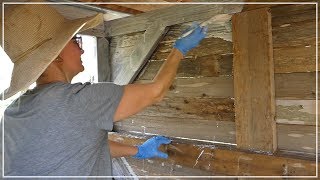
(185,44)
(149,149)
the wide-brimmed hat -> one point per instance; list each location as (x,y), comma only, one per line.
(34,35)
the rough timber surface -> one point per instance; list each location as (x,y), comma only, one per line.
(254,80)
(169,16)
(203,89)
(227,161)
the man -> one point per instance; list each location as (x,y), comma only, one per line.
(59,128)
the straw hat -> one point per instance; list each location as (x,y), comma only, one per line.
(34,35)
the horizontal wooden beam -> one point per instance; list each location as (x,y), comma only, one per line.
(295,86)
(169,16)
(300,138)
(229,161)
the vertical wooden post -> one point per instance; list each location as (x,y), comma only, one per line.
(254,81)
(104,67)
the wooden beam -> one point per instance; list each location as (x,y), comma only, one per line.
(104,64)
(254,81)
(169,16)
(229,161)
(299,138)
(142,52)
(294,86)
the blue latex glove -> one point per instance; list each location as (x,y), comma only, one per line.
(149,149)
(185,44)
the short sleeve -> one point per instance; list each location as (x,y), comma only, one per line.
(98,102)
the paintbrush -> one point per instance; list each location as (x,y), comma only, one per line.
(221,18)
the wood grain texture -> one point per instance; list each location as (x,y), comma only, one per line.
(254,81)
(290,54)
(169,16)
(297,138)
(229,161)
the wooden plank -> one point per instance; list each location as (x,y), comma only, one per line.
(200,108)
(254,81)
(169,16)
(190,67)
(301,112)
(296,85)
(140,54)
(104,68)
(295,112)
(190,128)
(288,86)
(229,161)
(297,138)
(215,87)
(290,54)
(160,167)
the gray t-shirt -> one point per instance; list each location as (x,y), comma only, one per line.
(61,129)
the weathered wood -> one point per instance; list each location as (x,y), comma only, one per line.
(205,129)
(169,16)
(299,112)
(190,67)
(199,87)
(230,161)
(254,81)
(290,54)
(287,86)
(297,138)
(296,85)
(296,112)
(142,51)
(159,167)
(104,67)
(300,138)
(201,108)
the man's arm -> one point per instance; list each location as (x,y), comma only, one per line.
(136,97)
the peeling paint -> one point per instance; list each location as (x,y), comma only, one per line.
(298,165)
(295,135)
(307,148)
(289,113)
(195,85)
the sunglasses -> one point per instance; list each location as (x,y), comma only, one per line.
(78,40)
